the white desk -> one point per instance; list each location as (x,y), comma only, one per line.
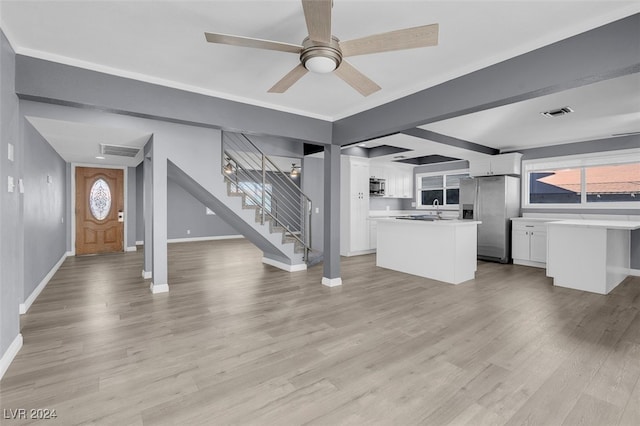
(444,250)
(589,255)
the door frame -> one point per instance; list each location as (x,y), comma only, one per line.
(125,192)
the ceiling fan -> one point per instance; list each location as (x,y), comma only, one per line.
(321,52)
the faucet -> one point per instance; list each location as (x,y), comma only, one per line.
(436,204)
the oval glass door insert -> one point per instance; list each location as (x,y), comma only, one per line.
(100,199)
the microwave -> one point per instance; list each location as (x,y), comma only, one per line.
(376,187)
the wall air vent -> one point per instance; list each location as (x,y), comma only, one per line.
(121,151)
(557,112)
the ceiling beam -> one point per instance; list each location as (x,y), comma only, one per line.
(51,82)
(606,52)
(450,140)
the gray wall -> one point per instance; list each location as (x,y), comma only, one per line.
(184,212)
(45,229)
(11,236)
(132,208)
(139,224)
(312,178)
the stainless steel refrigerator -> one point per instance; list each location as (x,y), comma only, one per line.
(492,200)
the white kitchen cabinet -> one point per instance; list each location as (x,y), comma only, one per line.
(373,234)
(407,180)
(354,206)
(398,180)
(377,171)
(529,242)
(504,164)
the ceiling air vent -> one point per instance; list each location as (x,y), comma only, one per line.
(122,151)
(557,112)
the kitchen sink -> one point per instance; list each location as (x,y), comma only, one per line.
(428,218)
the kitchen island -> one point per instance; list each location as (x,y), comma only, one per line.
(443,250)
(589,255)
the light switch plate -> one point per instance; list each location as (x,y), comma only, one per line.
(10,185)
(49,179)
(10,153)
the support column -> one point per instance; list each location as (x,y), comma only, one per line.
(160,283)
(331,267)
(147,193)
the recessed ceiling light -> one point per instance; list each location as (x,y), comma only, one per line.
(557,112)
(99,157)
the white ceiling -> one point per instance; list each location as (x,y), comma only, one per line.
(163,42)
(80,143)
(600,110)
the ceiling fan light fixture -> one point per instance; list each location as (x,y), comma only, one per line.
(320,64)
(295,171)
(321,58)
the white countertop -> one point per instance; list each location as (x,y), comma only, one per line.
(441,222)
(609,224)
(534,219)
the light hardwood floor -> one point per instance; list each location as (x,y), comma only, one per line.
(239,342)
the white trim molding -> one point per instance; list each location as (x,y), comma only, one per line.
(132,248)
(24,307)
(634,272)
(284,266)
(147,274)
(159,288)
(140,243)
(10,354)
(193,239)
(331,282)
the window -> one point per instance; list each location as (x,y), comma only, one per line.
(254,192)
(611,180)
(100,199)
(444,187)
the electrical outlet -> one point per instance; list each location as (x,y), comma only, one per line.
(188,231)
(317,210)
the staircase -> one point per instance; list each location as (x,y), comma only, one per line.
(277,201)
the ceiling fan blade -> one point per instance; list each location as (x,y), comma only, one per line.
(408,38)
(289,80)
(356,79)
(317,13)
(252,42)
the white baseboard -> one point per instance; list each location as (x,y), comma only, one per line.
(634,272)
(24,307)
(529,263)
(159,288)
(139,243)
(284,266)
(132,248)
(10,354)
(189,240)
(331,282)
(147,274)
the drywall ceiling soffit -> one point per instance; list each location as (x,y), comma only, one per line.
(80,142)
(163,42)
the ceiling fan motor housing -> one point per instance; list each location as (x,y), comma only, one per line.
(321,57)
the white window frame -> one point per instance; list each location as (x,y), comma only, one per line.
(580,161)
(444,174)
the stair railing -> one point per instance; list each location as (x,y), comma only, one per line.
(277,197)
